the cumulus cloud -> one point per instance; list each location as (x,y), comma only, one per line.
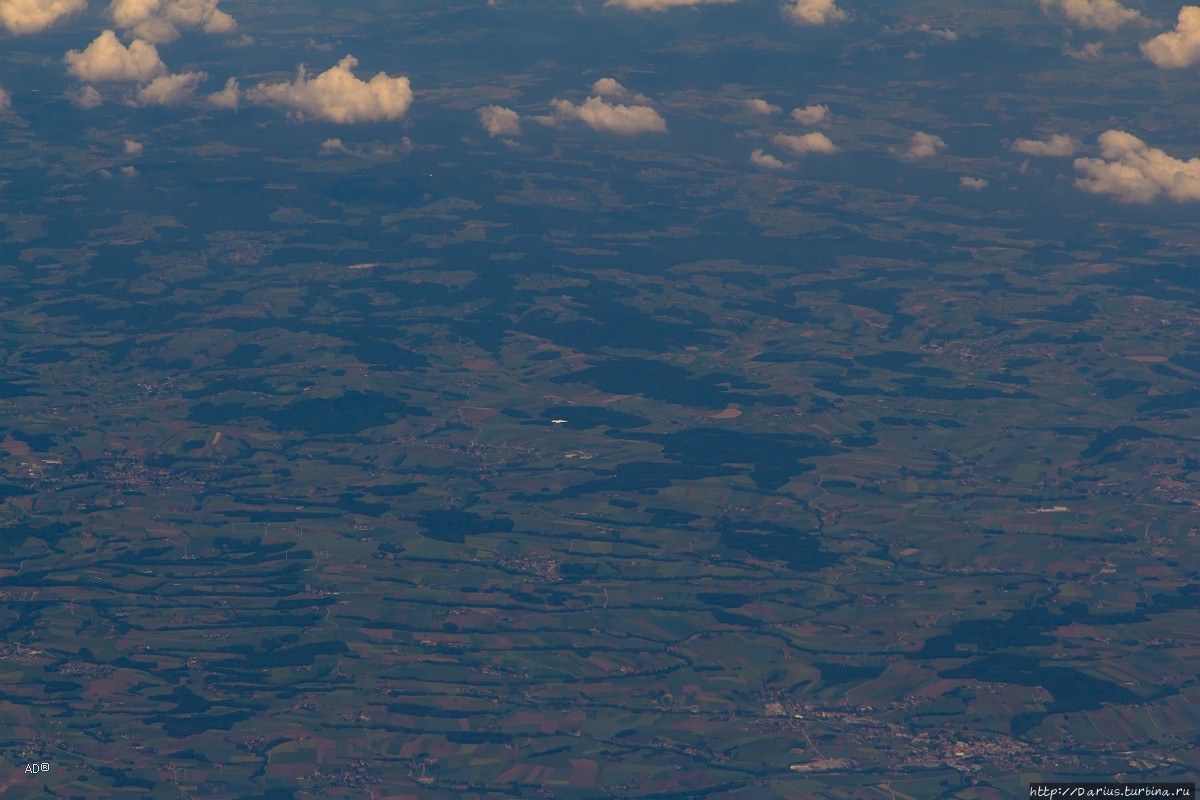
(941,33)
(662,5)
(337,95)
(133,147)
(229,97)
(600,115)
(611,89)
(813,12)
(500,121)
(1178,48)
(33,16)
(374,150)
(923,145)
(760,106)
(1057,145)
(812,115)
(106,59)
(1089,52)
(169,90)
(159,20)
(1131,171)
(808,143)
(976,184)
(1105,15)
(5,101)
(766,161)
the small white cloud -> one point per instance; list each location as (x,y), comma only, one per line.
(808,143)
(662,5)
(337,95)
(1091,51)
(159,21)
(86,97)
(975,184)
(133,148)
(106,59)
(229,97)
(335,145)
(1178,48)
(923,145)
(169,90)
(129,172)
(941,33)
(813,12)
(1104,15)
(1131,171)
(5,101)
(811,115)
(500,121)
(766,160)
(373,150)
(1057,145)
(33,16)
(759,106)
(600,115)
(611,89)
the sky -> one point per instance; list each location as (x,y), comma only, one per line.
(143,54)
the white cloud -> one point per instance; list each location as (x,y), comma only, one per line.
(229,97)
(662,5)
(813,12)
(1057,145)
(611,89)
(766,161)
(812,115)
(337,95)
(133,148)
(923,145)
(1132,172)
(976,184)
(373,150)
(600,115)
(759,106)
(808,143)
(5,101)
(941,33)
(86,97)
(1105,15)
(1178,48)
(1089,52)
(129,172)
(106,59)
(159,20)
(169,90)
(33,16)
(500,121)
